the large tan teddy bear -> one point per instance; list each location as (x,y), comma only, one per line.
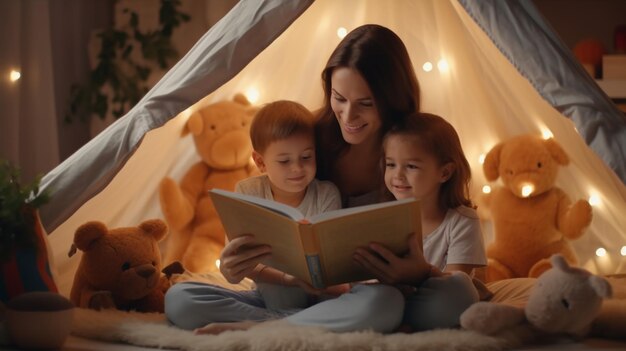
(221,135)
(119,268)
(532,218)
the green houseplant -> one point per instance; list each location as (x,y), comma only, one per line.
(23,255)
(120,69)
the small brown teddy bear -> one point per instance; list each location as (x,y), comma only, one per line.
(120,268)
(221,135)
(532,218)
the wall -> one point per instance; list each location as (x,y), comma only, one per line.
(574,20)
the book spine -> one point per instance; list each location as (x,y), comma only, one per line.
(311,253)
(315,271)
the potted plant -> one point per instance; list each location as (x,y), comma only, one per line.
(24,264)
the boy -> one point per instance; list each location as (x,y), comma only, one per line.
(283,140)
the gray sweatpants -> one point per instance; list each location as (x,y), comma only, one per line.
(438,303)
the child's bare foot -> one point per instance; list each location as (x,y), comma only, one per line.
(218,328)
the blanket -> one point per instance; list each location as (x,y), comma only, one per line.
(152,330)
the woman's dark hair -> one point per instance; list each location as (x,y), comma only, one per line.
(380,56)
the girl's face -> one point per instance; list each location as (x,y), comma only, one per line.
(354,107)
(412,172)
(289,163)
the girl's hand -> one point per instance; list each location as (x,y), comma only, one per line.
(240,256)
(391,269)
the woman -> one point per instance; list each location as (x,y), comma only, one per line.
(369,85)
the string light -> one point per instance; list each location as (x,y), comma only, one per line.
(443,66)
(546,133)
(427,66)
(623,251)
(341,32)
(486,189)
(14,75)
(600,252)
(527,190)
(481,158)
(594,200)
(252,94)
(217,263)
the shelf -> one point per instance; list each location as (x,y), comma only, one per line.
(614,88)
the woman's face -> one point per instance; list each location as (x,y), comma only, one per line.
(354,106)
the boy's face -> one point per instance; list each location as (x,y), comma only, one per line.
(289,163)
(412,172)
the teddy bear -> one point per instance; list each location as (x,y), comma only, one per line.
(221,136)
(532,217)
(119,268)
(564,300)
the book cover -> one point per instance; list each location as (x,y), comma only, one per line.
(318,249)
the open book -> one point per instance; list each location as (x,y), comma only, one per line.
(318,250)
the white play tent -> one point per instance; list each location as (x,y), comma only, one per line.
(497,70)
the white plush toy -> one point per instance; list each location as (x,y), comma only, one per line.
(564,300)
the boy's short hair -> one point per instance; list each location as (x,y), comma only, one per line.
(279,120)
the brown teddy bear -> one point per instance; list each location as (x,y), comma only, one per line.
(532,218)
(221,135)
(120,268)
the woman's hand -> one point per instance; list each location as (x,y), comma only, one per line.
(240,256)
(390,269)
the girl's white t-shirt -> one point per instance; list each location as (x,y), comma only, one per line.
(457,240)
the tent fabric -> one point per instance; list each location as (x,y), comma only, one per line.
(486,86)
(555,74)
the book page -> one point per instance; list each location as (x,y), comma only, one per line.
(277,207)
(390,225)
(268,227)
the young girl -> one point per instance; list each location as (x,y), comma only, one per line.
(423,159)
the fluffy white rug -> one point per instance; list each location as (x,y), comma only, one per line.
(152,330)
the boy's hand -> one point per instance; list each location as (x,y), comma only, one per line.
(290,280)
(390,269)
(240,256)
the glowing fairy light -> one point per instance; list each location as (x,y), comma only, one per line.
(252,94)
(341,32)
(14,75)
(546,133)
(623,251)
(527,190)
(427,66)
(217,263)
(481,158)
(594,200)
(486,189)
(600,252)
(443,66)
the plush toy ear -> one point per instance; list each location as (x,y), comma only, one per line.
(601,286)
(556,151)
(492,163)
(195,124)
(87,233)
(155,227)
(241,99)
(559,262)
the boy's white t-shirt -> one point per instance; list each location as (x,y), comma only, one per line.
(457,240)
(321,196)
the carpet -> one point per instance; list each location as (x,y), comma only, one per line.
(152,330)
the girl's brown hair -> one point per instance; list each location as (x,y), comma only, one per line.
(380,56)
(279,120)
(437,137)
